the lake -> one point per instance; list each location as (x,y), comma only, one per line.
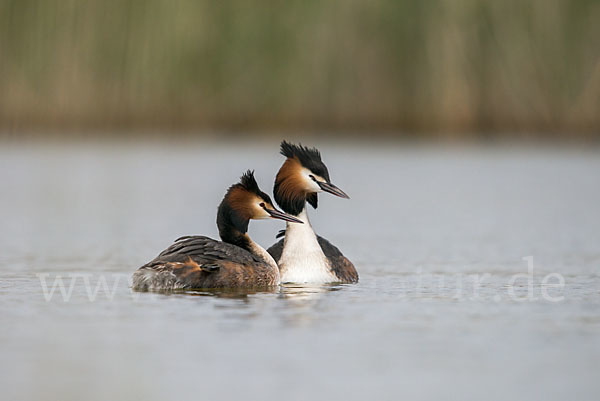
(479,276)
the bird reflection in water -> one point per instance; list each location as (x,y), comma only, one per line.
(306,292)
(295,292)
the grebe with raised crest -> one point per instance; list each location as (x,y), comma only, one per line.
(195,262)
(303,256)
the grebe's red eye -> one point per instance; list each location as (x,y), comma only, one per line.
(262,204)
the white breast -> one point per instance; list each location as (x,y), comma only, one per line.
(302,259)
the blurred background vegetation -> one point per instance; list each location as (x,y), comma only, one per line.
(464,68)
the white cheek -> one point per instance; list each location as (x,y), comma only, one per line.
(261,213)
(310,184)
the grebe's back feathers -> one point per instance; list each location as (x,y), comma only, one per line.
(202,262)
(205,249)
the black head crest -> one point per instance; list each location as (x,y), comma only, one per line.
(303,153)
(310,158)
(249,183)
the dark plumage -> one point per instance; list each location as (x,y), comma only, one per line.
(202,262)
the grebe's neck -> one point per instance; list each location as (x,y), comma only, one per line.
(302,259)
(302,215)
(237,235)
(301,234)
(234,230)
(259,251)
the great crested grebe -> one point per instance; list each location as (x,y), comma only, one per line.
(236,262)
(302,256)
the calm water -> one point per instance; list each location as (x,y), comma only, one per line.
(437,235)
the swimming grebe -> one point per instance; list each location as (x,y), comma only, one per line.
(236,262)
(302,256)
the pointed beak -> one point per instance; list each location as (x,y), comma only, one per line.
(276,214)
(332,189)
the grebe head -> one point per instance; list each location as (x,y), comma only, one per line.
(245,201)
(301,177)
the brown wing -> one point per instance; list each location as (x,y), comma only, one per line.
(204,250)
(341,266)
(194,262)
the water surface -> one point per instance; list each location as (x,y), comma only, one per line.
(437,236)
